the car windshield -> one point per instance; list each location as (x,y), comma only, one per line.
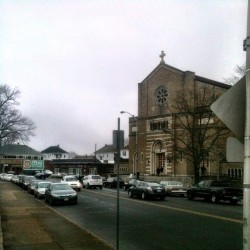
(96,177)
(153,184)
(70,179)
(43,184)
(222,184)
(30,177)
(61,187)
(32,183)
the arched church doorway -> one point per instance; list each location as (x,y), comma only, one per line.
(158,156)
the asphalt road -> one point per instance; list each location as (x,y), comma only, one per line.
(175,223)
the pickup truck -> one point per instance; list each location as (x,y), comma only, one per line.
(214,191)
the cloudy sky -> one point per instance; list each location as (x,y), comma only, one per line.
(78,62)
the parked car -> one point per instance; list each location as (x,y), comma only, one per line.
(112,182)
(60,193)
(72,181)
(40,187)
(90,181)
(25,180)
(40,175)
(147,190)
(2,176)
(8,177)
(48,173)
(31,186)
(174,188)
(15,179)
(130,183)
(19,182)
(215,190)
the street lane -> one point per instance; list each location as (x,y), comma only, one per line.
(172,224)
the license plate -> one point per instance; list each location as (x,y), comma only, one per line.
(158,190)
(66,199)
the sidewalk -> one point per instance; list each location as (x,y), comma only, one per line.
(25,223)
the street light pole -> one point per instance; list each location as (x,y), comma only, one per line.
(246,186)
(135,164)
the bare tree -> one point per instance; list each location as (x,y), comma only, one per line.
(239,72)
(13,125)
(197,131)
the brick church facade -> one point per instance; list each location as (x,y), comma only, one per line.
(150,146)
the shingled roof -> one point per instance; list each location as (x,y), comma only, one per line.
(53,149)
(107,149)
(16,149)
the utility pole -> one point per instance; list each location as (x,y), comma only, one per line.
(246,184)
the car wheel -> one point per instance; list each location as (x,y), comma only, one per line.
(233,202)
(162,198)
(130,194)
(190,196)
(51,202)
(100,187)
(143,196)
(214,198)
(88,187)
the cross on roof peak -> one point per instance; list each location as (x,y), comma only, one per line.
(162,55)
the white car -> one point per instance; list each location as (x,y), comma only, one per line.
(48,172)
(92,181)
(39,189)
(72,181)
(2,176)
(8,177)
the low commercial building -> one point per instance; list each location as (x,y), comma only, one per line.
(19,158)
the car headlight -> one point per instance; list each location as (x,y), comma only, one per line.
(73,195)
(56,195)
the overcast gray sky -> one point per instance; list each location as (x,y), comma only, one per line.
(78,62)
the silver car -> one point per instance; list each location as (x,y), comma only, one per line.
(174,188)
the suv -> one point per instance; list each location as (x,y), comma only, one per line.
(72,181)
(92,181)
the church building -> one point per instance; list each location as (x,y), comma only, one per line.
(156,137)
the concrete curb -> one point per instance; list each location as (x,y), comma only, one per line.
(1,234)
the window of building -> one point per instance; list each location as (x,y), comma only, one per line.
(124,152)
(142,156)
(207,120)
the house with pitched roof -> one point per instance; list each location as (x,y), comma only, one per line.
(55,152)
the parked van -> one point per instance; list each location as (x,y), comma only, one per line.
(92,181)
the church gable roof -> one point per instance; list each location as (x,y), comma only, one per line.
(163,65)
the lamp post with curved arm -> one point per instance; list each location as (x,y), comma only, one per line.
(136,141)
